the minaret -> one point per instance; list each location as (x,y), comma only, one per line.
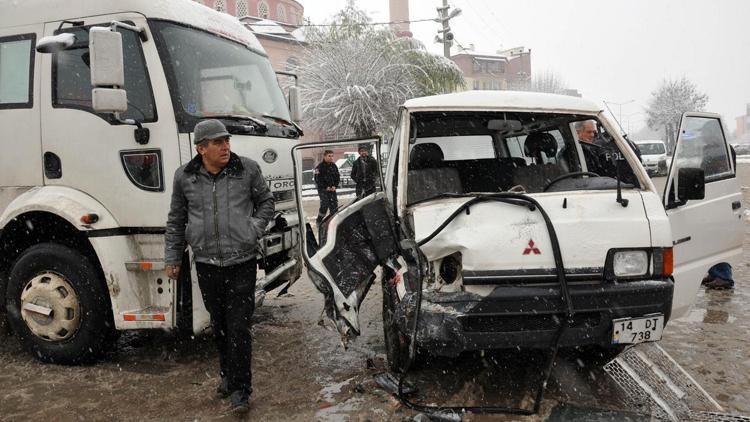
(400,13)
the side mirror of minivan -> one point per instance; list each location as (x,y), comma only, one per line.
(691,184)
(295,110)
(107,71)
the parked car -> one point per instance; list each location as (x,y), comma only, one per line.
(654,157)
(485,237)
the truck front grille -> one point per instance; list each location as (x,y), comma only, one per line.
(516,323)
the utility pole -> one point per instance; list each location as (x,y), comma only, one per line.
(444,17)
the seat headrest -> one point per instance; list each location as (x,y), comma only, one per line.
(425,156)
(538,142)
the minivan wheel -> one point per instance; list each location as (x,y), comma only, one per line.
(396,343)
(58,305)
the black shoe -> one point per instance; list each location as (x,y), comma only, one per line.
(222,390)
(240,404)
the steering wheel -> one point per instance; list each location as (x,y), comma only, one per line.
(568,176)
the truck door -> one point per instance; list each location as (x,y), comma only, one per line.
(348,239)
(95,153)
(19,112)
(704,231)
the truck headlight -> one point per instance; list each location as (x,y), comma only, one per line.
(630,263)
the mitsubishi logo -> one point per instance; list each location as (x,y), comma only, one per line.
(532,249)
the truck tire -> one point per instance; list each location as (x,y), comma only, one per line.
(58,305)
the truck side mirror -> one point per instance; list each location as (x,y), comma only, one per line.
(691,184)
(107,71)
(55,43)
(295,110)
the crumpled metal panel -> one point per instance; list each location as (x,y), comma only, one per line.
(654,384)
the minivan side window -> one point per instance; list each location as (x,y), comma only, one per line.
(71,78)
(17,71)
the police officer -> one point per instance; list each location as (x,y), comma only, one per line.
(327,180)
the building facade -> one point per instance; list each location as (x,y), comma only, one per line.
(274,23)
(284,11)
(504,70)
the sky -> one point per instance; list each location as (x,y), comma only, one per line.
(610,50)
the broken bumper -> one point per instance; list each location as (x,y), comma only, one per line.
(530,316)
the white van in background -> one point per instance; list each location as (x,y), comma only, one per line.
(85,179)
(654,157)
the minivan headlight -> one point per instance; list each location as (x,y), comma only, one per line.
(632,263)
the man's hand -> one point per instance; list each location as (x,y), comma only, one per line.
(173,271)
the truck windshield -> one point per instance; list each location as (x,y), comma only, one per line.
(210,75)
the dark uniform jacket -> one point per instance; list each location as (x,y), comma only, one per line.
(221,217)
(365,172)
(326,175)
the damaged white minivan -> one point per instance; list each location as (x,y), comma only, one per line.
(496,223)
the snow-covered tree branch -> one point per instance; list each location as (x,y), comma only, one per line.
(354,76)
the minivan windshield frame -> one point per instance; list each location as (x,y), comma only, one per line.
(504,165)
(210,75)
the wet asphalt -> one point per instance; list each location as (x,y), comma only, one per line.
(302,372)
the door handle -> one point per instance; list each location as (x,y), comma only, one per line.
(736,205)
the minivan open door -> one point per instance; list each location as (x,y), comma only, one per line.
(703,202)
(346,248)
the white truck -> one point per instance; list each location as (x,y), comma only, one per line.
(85,179)
(498,228)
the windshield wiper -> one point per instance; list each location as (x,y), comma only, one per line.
(286,122)
(256,125)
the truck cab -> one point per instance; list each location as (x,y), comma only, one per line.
(98,101)
(499,226)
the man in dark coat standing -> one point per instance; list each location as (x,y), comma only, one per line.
(220,207)
(327,180)
(364,172)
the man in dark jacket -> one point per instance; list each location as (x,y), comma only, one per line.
(364,172)
(220,207)
(327,180)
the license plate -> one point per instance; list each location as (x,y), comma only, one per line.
(637,330)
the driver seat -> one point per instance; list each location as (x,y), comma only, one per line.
(536,176)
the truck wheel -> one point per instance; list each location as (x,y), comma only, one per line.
(58,305)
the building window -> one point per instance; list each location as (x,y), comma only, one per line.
(241,8)
(476,85)
(220,6)
(263,10)
(280,13)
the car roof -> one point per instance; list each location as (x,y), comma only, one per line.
(649,141)
(505,100)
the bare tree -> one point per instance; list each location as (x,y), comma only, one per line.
(669,101)
(547,81)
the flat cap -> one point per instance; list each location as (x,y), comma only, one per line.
(209,129)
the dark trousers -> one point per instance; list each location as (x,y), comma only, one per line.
(363,190)
(329,202)
(229,296)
